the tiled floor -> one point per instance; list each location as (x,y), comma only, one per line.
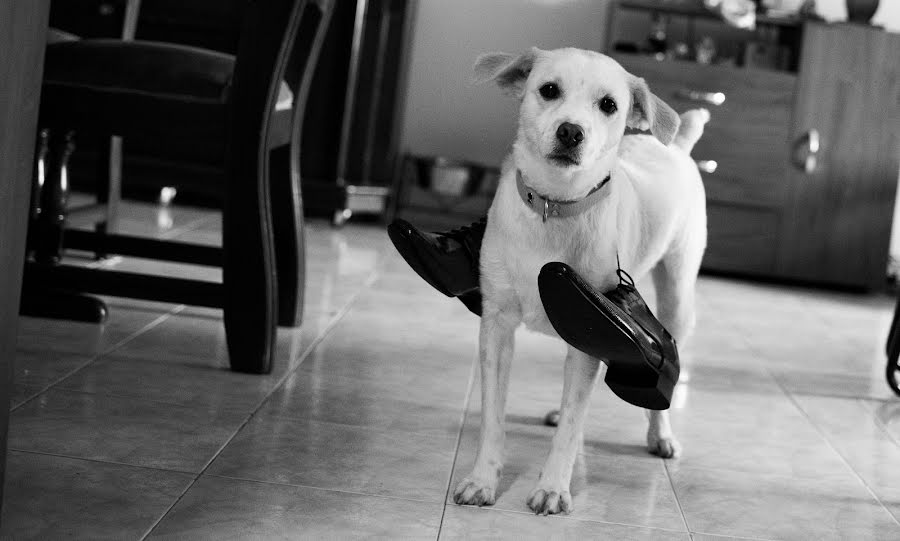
(137,429)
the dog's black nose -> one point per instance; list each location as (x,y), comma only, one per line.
(570,135)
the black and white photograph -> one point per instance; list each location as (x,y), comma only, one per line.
(450,270)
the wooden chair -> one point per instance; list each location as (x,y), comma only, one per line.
(179,95)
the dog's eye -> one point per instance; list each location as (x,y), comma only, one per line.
(607,105)
(549,91)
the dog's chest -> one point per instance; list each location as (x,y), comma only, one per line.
(578,242)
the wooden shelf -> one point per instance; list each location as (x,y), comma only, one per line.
(697,10)
(679,63)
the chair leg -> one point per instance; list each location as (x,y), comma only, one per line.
(53,193)
(248,273)
(109,181)
(45,234)
(287,219)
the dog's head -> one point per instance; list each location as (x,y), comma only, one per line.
(575,106)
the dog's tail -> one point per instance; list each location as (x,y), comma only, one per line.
(691,129)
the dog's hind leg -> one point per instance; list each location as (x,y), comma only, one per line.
(496,351)
(551,495)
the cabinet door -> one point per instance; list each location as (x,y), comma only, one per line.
(837,225)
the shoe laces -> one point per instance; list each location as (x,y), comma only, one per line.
(625,292)
(468,233)
(624,278)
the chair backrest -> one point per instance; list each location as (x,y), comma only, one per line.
(279,41)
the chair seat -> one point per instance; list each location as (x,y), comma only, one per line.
(141,88)
(153,68)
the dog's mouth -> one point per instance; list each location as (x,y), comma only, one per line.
(563,159)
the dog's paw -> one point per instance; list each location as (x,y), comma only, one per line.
(474,491)
(664,447)
(546,501)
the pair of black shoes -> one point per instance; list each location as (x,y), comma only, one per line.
(616,326)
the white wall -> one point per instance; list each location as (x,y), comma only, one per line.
(445,114)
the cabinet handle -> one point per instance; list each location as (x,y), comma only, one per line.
(806,152)
(707,166)
(712,98)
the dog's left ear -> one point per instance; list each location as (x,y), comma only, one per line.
(509,71)
(648,112)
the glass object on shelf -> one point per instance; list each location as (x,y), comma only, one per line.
(681,51)
(658,40)
(706,50)
(738,13)
(765,51)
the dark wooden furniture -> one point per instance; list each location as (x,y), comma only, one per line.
(355,163)
(351,128)
(806,150)
(24,26)
(232,106)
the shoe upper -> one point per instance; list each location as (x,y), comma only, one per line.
(449,261)
(469,237)
(654,335)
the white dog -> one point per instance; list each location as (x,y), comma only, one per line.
(575,106)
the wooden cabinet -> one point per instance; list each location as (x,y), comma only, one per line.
(807,156)
(837,221)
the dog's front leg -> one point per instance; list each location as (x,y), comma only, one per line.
(496,350)
(551,495)
(660,440)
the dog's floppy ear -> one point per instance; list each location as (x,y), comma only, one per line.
(508,70)
(648,112)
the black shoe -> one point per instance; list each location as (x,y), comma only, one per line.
(447,261)
(617,326)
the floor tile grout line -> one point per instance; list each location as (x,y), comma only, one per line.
(326,489)
(684,519)
(168,509)
(767,474)
(329,327)
(824,436)
(570,518)
(883,428)
(878,422)
(194,407)
(462,426)
(91,360)
(843,397)
(364,428)
(726,536)
(318,340)
(99,461)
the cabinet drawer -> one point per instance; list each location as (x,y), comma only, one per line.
(747,134)
(741,239)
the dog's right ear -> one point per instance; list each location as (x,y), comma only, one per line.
(509,71)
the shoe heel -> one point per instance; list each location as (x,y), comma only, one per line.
(656,395)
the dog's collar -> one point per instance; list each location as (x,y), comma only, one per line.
(548,208)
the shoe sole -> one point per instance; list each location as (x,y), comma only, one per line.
(573,311)
(401,232)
